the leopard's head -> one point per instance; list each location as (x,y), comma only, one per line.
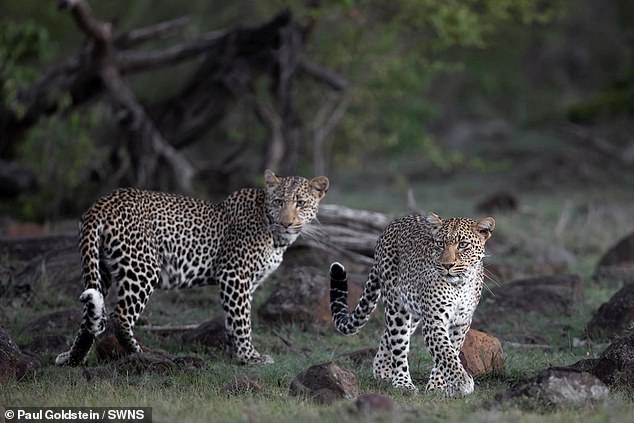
(292,201)
(459,245)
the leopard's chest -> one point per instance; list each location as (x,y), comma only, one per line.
(465,302)
(268,264)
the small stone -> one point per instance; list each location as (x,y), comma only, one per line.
(146,362)
(241,386)
(482,354)
(190,361)
(108,348)
(325,384)
(13,364)
(372,403)
(210,333)
(97,373)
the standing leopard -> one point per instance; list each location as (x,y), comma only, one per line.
(428,270)
(144,240)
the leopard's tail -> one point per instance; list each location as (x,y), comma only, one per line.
(350,323)
(95,289)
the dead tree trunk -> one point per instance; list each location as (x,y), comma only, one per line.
(154,133)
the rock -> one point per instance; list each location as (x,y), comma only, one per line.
(325,383)
(615,366)
(498,201)
(48,343)
(10,354)
(97,373)
(615,316)
(210,333)
(303,297)
(13,364)
(108,348)
(482,354)
(616,267)
(146,362)
(621,254)
(546,295)
(241,386)
(372,403)
(190,361)
(558,386)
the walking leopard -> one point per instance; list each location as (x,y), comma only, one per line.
(429,271)
(138,241)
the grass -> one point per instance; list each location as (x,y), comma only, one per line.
(583,221)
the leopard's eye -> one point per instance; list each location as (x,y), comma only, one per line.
(463,244)
(278,202)
(301,203)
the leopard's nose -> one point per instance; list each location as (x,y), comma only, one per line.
(447,265)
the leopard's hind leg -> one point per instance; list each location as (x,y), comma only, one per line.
(398,324)
(134,285)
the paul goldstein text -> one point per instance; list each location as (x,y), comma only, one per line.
(113,414)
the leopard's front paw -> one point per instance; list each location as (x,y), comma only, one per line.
(404,382)
(406,386)
(259,359)
(436,381)
(461,386)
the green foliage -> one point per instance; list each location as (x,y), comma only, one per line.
(21,44)
(60,151)
(392,51)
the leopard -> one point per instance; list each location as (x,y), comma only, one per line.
(139,241)
(429,272)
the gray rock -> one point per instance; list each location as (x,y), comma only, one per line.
(558,386)
(303,297)
(615,365)
(210,333)
(14,365)
(325,384)
(547,295)
(616,267)
(614,317)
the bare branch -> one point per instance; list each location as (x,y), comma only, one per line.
(141,35)
(101,32)
(328,77)
(133,61)
(182,169)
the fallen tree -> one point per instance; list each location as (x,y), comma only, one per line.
(230,61)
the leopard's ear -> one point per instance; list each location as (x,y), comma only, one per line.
(271,179)
(434,220)
(484,227)
(320,185)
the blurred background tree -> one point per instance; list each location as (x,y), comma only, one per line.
(423,88)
